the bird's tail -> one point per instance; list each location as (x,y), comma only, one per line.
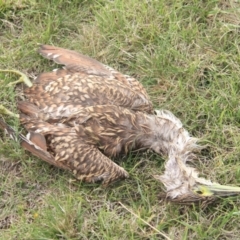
(33,143)
(8,130)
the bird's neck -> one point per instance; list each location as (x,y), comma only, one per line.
(164,133)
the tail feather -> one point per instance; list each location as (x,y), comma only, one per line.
(8,130)
(32,144)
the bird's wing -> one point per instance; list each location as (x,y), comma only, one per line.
(112,129)
(76,62)
(63,96)
(85,161)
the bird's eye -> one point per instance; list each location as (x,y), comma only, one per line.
(199,192)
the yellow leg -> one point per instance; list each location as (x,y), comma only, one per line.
(5,111)
(23,77)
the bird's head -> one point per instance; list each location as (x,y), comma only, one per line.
(182,183)
(184,186)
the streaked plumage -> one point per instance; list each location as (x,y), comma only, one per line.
(81,116)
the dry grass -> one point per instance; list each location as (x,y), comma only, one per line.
(186,53)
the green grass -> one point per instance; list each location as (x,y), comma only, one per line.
(187,55)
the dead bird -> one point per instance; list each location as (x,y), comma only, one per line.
(82,115)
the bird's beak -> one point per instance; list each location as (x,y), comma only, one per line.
(217,190)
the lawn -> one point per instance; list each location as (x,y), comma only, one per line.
(187,55)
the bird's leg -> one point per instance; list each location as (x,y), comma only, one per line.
(5,111)
(23,77)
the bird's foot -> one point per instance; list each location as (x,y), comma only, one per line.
(23,77)
(5,111)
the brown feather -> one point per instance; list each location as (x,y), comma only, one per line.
(51,76)
(31,146)
(66,95)
(67,149)
(38,139)
(76,62)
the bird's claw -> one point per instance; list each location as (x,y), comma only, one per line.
(23,77)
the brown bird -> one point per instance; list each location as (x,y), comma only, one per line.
(80,116)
